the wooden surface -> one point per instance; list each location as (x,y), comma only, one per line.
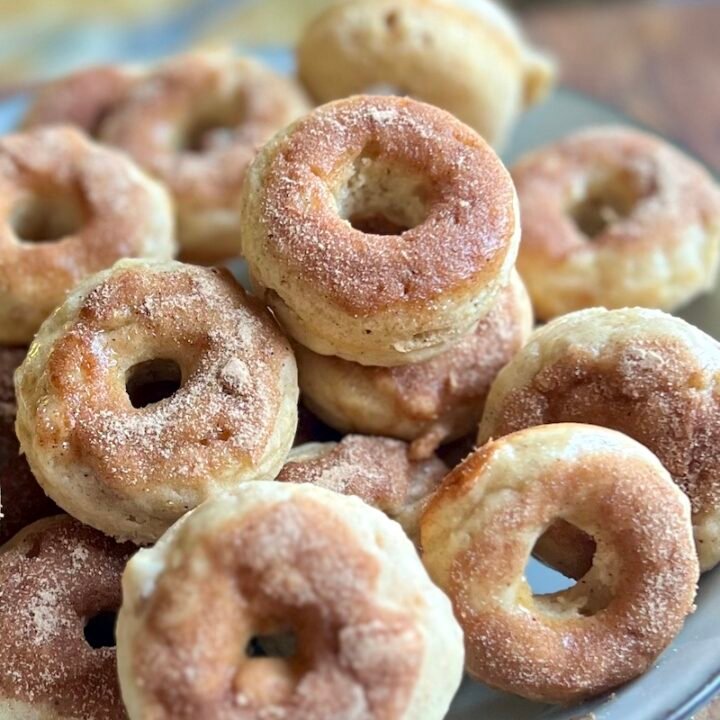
(658,62)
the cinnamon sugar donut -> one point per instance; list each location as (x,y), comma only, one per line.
(615,217)
(154,386)
(378,470)
(68,208)
(194,122)
(379,229)
(59,580)
(431,402)
(649,375)
(331,593)
(82,99)
(466,57)
(479,530)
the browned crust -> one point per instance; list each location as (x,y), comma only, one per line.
(462,244)
(54,577)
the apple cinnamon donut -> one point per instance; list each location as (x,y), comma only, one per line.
(647,374)
(82,99)
(379,229)
(479,530)
(194,122)
(615,217)
(290,601)
(429,403)
(68,208)
(153,387)
(378,470)
(467,57)
(59,592)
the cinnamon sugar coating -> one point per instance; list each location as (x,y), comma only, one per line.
(479,531)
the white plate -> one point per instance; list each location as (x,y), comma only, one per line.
(688,673)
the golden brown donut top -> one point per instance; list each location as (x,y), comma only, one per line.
(82,99)
(60,162)
(659,193)
(377,470)
(54,577)
(232,359)
(466,193)
(288,567)
(196,120)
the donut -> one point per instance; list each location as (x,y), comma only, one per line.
(562,647)
(328,597)
(375,469)
(68,208)
(468,58)
(83,98)
(154,386)
(647,374)
(194,123)
(59,591)
(379,229)
(431,402)
(615,217)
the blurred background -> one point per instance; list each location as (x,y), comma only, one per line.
(659,62)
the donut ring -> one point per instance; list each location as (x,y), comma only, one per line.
(55,576)
(430,403)
(471,61)
(377,470)
(323,576)
(479,530)
(68,208)
(614,217)
(649,375)
(103,431)
(194,122)
(378,293)
(82,99)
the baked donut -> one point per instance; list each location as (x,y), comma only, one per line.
(431,402)
(467,57)
(649,375)
(194,122)
(379,229)
(615,217)
(375,469)
(154,386)
(479,530)
(59,592)
(68,208)
(328,597)
(82,99)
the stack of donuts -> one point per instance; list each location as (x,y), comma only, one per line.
(172,547)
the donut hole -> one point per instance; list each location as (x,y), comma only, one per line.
(212,127)
(152,381)
(283,644)
(99,630)
(378,197)
(47,216)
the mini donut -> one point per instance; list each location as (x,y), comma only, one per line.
(68,208)
(379,229)
(647,374)
(467,57)
(194,122)
(375,469)
(615,217)
(154,386)
(58,580)
(82,99)
(347,621)
(563,647)
(431,402)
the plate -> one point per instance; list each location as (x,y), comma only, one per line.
(688,673)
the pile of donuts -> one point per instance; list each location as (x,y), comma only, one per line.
(151,465)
